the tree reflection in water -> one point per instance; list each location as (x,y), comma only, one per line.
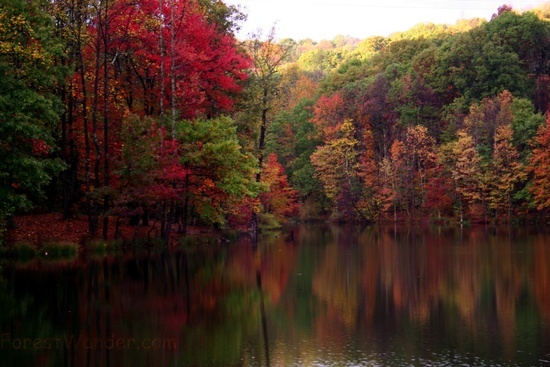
(319,295)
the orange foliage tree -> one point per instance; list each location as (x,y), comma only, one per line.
(329,114)
(279,200)
(421,159)
(405,172)
(339,168)
(469,174)
(391,179)
(539,166)
(507,172)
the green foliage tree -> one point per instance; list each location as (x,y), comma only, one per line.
(219,172)
(370,46)
(136,169)
(506,53)
(29,110)
(300,171)
(204,173)
(262,103)
(525,124)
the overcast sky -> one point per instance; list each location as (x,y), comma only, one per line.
(324,19)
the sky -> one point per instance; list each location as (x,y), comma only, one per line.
(325,19)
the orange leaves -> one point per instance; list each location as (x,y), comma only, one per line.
(478,173)
(407,170)
(507,171)
(539,166)
(279,199)
(485,117)
(329,115)
(305,88)
(468,172)
(420,146)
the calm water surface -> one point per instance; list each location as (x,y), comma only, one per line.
(315,296)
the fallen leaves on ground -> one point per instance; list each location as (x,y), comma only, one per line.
(38,229)
(41,228)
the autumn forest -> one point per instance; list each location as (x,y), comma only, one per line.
(152,113)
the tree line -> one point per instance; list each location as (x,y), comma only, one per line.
(120,110)
(439,123)
(152,112)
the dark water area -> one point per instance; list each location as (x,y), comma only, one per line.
(310,296)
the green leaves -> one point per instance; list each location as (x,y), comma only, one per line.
(219,171)
(496,56)
(28,109)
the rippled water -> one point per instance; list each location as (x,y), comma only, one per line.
(313,296)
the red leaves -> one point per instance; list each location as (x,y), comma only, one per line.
(39,229)
(279,199)
(329,114)
(169,161)
(439,193)
(40,148)
(149,51)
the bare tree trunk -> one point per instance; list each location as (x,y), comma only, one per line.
(173,68)
(161,49)
(185,213)
(105,121)
(87,148)
(168,220)
(64,174)
(101,29)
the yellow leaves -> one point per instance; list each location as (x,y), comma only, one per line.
(487,183)
(324,162)
(337,160)
(339,292)
(14,26)
(467,170)
(18,40)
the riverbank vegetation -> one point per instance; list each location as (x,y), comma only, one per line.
(151,113)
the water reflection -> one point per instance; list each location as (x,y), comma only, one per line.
(316,296)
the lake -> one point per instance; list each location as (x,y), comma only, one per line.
(310,296)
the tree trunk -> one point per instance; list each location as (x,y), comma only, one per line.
(185,213)
(261,142)
(87,147)
(105,123)
(161,50)
(168,221)
(173,68)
